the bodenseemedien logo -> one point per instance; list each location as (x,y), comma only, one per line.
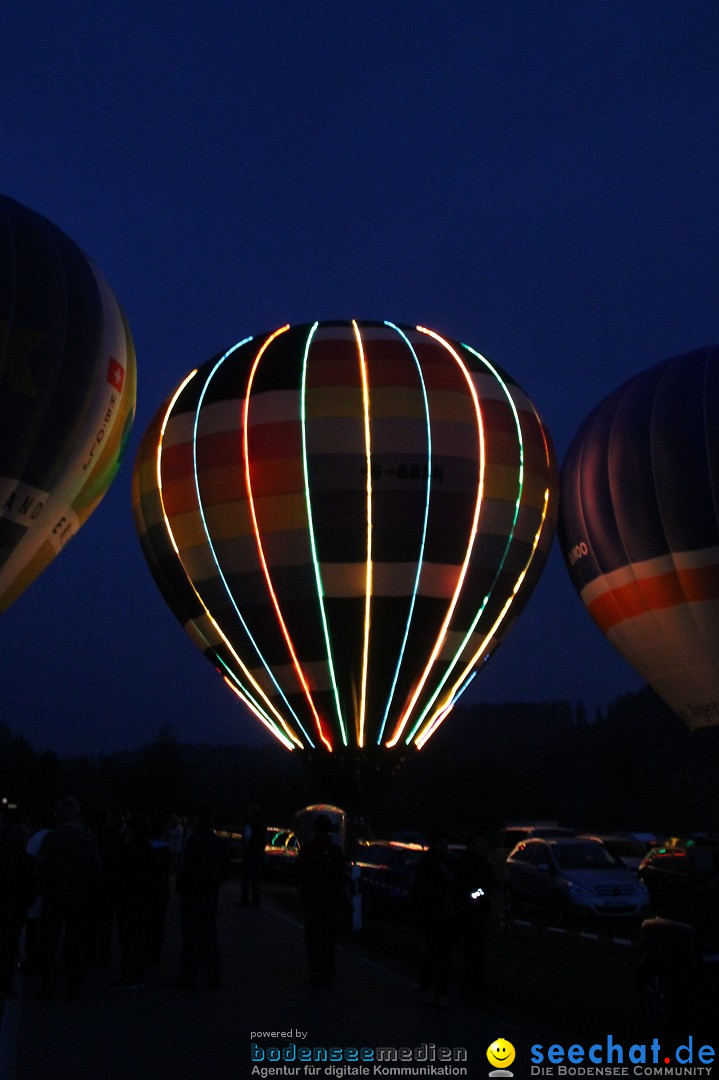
(500,1054)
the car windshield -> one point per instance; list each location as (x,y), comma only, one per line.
(583,857)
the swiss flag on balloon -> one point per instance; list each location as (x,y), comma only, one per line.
(116,375)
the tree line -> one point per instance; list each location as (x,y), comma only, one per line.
(634,767)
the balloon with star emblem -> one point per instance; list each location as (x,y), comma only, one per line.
(67,392)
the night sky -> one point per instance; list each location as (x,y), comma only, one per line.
(538,179)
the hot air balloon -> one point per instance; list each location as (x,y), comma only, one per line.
(346,517)
(67,392)
(639,527)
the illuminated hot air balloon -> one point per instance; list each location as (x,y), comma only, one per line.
(346,517)
(67,392)
(639,527)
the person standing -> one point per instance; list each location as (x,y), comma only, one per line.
(433,899)
(68,870)
(159,893)
(102,912)
(475,885)
(175,839)
(322,876)
(204,865)
(134,884)
(15,896)
(253,854)
(39,829)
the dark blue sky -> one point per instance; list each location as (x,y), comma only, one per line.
(537,179)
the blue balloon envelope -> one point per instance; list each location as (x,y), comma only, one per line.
(639,527)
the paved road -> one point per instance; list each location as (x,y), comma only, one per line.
(163,1032)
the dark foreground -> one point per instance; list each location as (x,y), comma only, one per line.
(164,1032)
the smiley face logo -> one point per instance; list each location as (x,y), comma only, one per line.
(500,1054)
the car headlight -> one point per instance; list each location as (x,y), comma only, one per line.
(577,890)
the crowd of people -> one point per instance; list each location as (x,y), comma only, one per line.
(68,886)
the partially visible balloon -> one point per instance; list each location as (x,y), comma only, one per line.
(67,392)
(346,517)
(639,527)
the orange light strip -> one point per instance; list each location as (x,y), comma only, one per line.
(404,719)
(289,739)
(258,539)
(444,710)
(369,566)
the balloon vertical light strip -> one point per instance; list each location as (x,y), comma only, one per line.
(470,544)
(243,693)
(216,561)
(368,569)
(245,701)
(313,541)
(372,603)
(517,503)
(423,541)
(443,711)
(258,539)
(158,460)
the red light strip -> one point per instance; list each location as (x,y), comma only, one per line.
(368,570)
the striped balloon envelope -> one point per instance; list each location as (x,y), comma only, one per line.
(346,517)
(67,392)
(639,527)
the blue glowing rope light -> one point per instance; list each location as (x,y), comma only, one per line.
(508,544)
(420,560)
(311,529)
(211,546)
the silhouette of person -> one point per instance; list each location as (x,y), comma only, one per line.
(175,840)
(16,895)
(39,829)
(204,865)
(253,855)
(134,884)
(102,909)
(475,885)
(68,869)
(159,894)
(433,901)
(322,877)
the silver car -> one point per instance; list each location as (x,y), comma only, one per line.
(568,877)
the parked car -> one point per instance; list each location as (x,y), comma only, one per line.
(678,966)
(281,849)
(566,877)
(626,846)
(677,874)
(678,974)
(388,869)
(234,842)
(511,835)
